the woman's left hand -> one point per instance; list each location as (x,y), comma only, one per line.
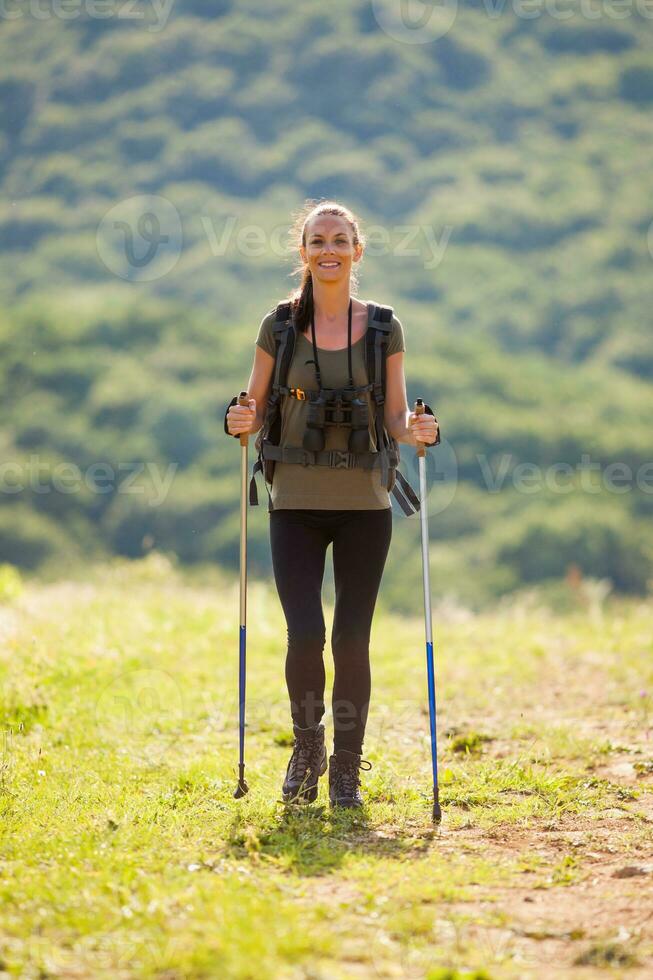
(424,427)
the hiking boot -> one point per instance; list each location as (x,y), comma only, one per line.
(344,779)
(307,763)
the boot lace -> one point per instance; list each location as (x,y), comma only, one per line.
(347,778)
(302,757)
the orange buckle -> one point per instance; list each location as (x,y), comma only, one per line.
(299,393)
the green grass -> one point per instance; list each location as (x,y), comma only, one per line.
(124,853)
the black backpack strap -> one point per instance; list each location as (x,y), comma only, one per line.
(382,314)
(407,507)
(377,342)
(253,492)
(376,350)
(377,337)
(283,310)
(284,336)
(258,468)
(410,494)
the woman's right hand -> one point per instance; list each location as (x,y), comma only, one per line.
(241,418)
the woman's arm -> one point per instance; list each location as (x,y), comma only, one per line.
(260,383)
(240,418)
(400,422)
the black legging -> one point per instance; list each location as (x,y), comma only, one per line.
(299,540)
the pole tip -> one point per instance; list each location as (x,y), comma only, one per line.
(241,790)
(437,811)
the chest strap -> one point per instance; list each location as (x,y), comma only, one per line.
(338,458)
(302,394)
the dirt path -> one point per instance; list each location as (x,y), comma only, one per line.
(583,903)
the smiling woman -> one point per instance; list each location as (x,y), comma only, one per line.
(327,390)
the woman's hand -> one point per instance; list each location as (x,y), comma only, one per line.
(241,418)
(423,427)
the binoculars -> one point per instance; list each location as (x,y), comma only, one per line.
(344,410)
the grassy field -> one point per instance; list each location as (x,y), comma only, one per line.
(124,853)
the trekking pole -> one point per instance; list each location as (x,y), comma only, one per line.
(423,519)
(242,788)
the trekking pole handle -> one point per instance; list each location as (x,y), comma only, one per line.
(243,399)
(418,409)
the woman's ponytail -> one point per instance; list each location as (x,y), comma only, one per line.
(304,303)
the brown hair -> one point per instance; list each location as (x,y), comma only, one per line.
(302,297)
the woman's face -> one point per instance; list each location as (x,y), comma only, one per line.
(329,250)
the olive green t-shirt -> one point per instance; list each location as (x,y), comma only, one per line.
(325,487)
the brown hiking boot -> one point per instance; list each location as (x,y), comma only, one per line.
(344,779)
(307,763)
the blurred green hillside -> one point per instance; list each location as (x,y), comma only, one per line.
(502,172)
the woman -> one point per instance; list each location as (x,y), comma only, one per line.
(314,506)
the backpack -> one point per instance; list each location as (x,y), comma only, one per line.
(388,457)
